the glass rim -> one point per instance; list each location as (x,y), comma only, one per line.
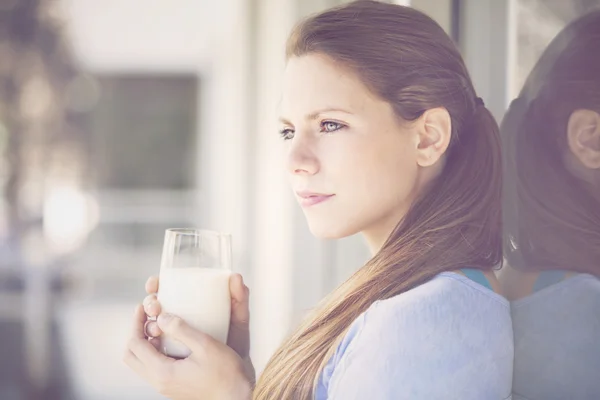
(196,232)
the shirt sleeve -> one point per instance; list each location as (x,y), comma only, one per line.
(451,346)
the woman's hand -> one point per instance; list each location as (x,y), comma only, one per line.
(213,371)
(238,340)
(239,325)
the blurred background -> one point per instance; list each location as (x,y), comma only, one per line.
(119,119)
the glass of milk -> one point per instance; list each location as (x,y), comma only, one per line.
(194,284)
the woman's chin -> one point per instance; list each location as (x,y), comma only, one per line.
(330,231)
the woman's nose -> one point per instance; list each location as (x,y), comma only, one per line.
(302,158)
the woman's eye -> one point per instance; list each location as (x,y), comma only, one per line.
(286,133)
(330,126)
(326,127)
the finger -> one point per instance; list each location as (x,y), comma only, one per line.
(152,285)
(152,329)
(134,363)
(147,300)
(156,343)
(139,345)
(139,320)
(237,289)
(178,329)
(240,301)
(239,329)
(152,306)
(148,354)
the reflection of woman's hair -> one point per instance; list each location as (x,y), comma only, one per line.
(407,59)
(551,219)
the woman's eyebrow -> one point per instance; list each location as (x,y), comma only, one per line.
(314,115)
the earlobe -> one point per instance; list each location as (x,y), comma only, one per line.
(583,135)
(434,130)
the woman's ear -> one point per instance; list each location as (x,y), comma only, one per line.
(434,129)
(583,136)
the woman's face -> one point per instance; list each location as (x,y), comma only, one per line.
(352,163)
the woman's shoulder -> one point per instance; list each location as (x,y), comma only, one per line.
(449,326)
(449,310)
(448,299)
(447,291)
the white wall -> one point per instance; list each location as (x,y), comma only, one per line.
(143,35)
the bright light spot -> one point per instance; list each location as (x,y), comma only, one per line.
(69,216)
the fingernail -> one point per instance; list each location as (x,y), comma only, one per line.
(236,277)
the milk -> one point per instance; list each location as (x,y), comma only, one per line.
(200,296)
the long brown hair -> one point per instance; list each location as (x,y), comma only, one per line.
(407,59)
(551,219)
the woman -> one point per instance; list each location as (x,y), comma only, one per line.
(385,136)
(552,219)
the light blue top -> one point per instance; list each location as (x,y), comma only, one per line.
(557,340)
(450,338)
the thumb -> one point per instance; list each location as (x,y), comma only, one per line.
(239,329)
(180,330)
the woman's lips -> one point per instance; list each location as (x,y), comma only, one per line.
(308,199)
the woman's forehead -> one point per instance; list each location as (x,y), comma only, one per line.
(312,83)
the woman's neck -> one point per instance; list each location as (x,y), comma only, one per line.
(377,236)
